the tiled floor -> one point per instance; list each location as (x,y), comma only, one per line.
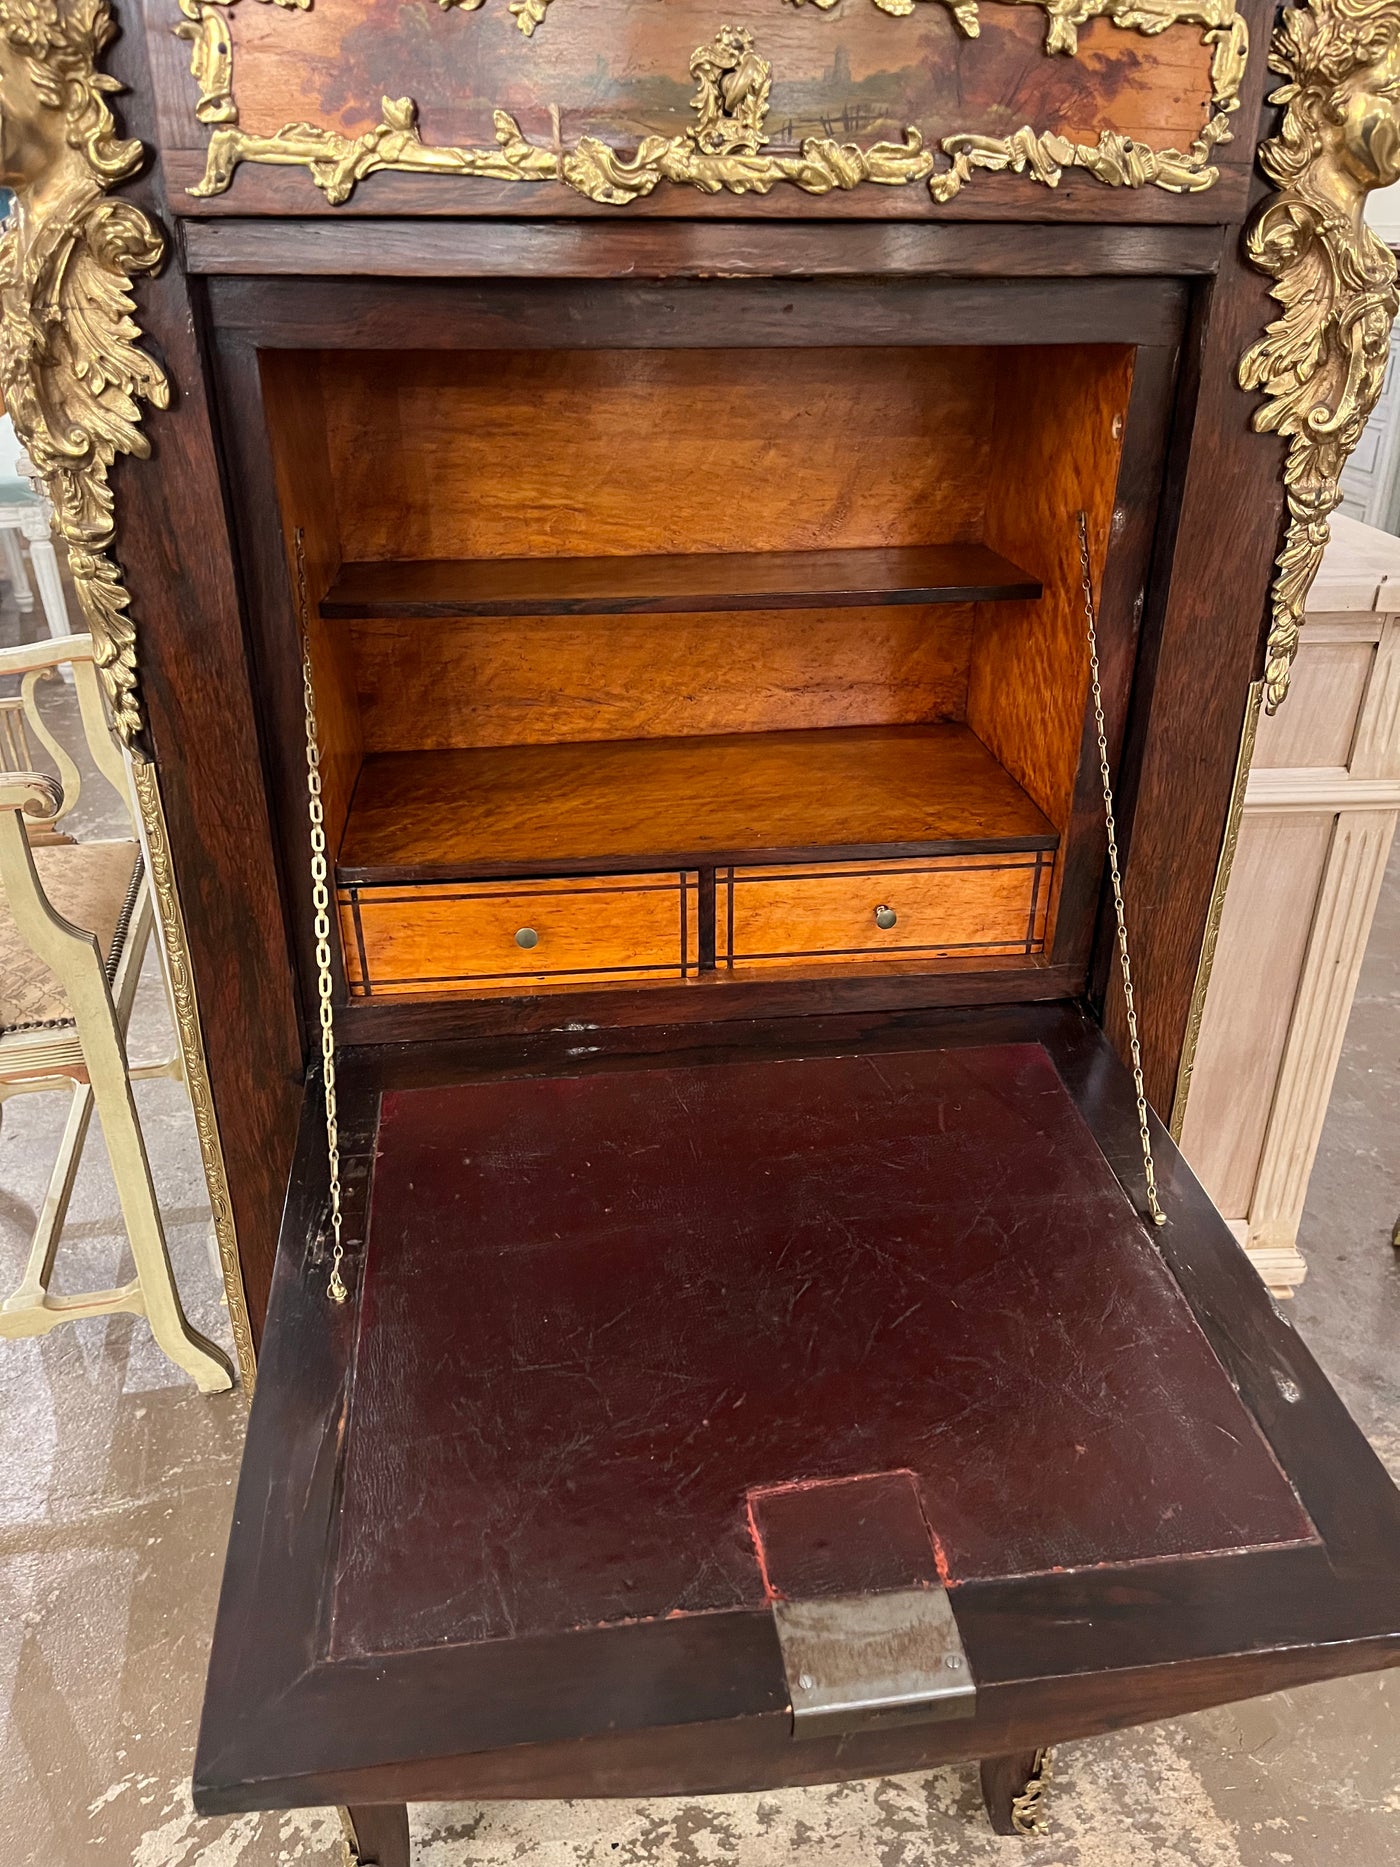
(115,1492)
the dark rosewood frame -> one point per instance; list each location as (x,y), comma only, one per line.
(700,1704)
(1201,499)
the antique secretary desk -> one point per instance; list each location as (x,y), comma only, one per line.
(675,579)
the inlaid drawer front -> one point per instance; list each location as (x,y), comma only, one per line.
(614,103)
(453,936)
(943,907)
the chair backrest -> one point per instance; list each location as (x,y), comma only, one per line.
(20,716)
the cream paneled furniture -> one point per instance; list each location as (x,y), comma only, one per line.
(26,517)
(1319,816)
(75,922)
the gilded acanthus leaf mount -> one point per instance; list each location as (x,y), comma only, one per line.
(71,368)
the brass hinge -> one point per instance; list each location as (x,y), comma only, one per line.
(853,1661)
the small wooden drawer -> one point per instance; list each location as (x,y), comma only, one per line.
(952,906)
(477,935)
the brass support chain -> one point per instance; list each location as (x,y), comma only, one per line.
(321,904)
(1115,876)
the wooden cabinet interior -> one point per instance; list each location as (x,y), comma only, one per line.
(594,613)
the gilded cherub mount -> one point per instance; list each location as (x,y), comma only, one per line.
(1322,364)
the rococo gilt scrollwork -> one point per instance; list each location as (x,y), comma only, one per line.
(527,14)
(725,150)
(71,369)
(1063,18)
(1322,364)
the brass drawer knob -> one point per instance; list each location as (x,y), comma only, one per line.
(527,937)
(885,917)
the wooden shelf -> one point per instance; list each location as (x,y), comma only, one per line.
(596,807)
(449,587)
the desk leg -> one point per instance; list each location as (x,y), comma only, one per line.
(1012,1788)
(381,1834)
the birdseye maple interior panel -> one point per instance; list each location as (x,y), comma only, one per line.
(986,904)
(600,614)
(565,930)
(977,107)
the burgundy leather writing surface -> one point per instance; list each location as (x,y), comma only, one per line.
(600,1311)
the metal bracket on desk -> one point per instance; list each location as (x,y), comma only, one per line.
(853,1661)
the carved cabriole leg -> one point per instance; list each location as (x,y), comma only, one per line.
(1012,1790)
(376,1834)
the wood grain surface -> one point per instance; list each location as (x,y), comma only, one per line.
(1057,451)
(438,939)
(175,546)
(952,905)
(709,312)
(615,803)
(296,431)
(1205,609)
(657,585)
(538,679)
(251,316)
(608,452)
(714,1001)
(681,249)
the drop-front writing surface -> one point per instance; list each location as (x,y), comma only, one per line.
(983,110)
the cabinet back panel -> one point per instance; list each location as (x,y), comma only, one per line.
(532,680)
(596,452)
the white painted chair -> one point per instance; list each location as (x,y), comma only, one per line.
(75,921)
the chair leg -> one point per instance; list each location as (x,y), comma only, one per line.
(205,1363)
(54,1210)
(74,956)
(378,1834)
(44,559)
(15,569)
